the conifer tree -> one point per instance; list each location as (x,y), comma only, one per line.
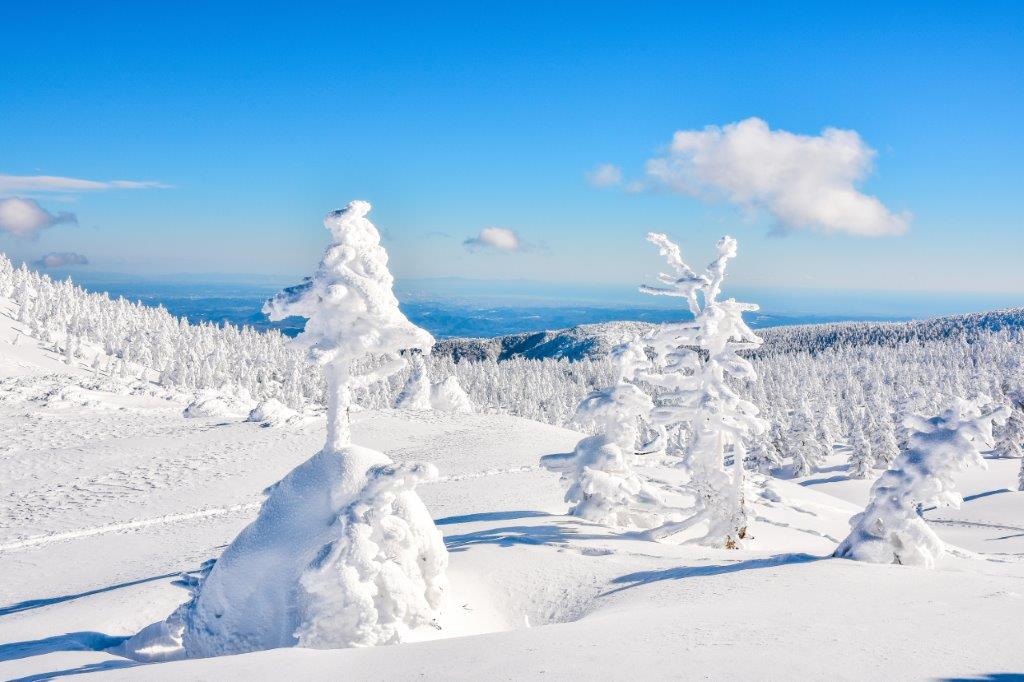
(891,529)
(343,552)
(598,474)
(700,363)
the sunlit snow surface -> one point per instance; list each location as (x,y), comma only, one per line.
(108,493)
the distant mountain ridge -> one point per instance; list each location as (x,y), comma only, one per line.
(596,340)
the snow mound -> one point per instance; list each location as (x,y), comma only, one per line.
(343,553)
(447,396)
(273,413)
(217,405)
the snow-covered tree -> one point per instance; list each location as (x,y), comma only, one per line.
(343,552)
(1011,436)
(802,442)
(762,455)
(861,456)
(601,483)
(891,528)
(882,435)
(447,395)
(700,364)
(415,394)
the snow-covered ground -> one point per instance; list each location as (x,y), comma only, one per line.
(107,493)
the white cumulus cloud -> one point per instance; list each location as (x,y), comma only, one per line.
(605,175)
(496,238)
(53,183)
(803,181)
(60,260)
(25,218)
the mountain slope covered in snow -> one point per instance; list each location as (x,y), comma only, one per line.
(110,493)
(596,340)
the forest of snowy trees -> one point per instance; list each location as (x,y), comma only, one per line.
(686,422)
(849,384)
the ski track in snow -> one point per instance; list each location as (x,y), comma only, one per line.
(39,540)
(50,538)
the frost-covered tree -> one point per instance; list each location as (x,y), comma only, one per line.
(861,457)
(601,483)
(447,395)
(700,365)
(343,552)
(1011,436)
(891,528)
(762,456)
(802,442)
(415,394)
(881,433)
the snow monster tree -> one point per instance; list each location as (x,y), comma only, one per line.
(891,529)
(598,474)
(343,552)
(697,359)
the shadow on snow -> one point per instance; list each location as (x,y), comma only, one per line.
(30,604)
(681,572)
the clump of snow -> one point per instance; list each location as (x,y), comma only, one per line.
(219,405)
(385,575)
(602,485)
(343,552)
(891,529)
(273,413)
(447,395)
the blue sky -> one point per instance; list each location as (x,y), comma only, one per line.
(458,117)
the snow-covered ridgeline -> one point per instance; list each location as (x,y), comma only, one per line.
(596,340)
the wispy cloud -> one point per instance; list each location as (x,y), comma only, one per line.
(25,218)
(495,238)
(605,175)
(806,182)
(60,260)
(53,183)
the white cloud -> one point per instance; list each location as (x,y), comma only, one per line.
(497,238)
(25,218)
(52,183)
(803,181)
(605,175)
(60,260)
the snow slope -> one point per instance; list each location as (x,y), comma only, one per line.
(108,493)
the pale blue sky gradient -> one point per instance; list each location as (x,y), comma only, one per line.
(455,117)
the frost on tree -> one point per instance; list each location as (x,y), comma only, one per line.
(448,395)
(860,453)
(1011,436)
(415,394)
(806,451)
(601,483)
(891,528)
(343,552)
(699,365)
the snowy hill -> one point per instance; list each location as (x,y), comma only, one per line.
(110,493)
(595,340)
